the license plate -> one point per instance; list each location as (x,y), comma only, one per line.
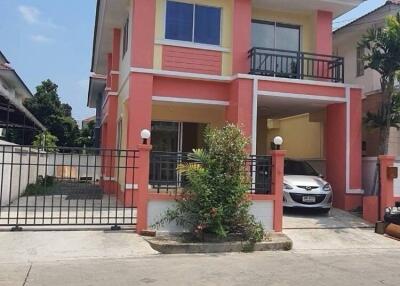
(309,199)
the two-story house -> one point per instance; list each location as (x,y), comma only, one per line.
(346,45)
(176,66)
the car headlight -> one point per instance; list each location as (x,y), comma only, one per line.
(327,188)
(287,186)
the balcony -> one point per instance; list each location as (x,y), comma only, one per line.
(297,65)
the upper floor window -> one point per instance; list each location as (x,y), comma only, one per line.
(360,61)
(193,23)
(125,37)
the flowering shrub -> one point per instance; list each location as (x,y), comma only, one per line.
(214,200)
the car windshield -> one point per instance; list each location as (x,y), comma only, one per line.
(299,168)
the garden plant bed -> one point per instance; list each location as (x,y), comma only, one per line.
(177,244)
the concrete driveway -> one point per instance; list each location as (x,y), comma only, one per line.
(338,230)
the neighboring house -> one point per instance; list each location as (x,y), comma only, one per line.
(86,121)
(346,45)
(13,115)
(177,66)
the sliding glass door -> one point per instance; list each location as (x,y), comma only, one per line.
(281,43)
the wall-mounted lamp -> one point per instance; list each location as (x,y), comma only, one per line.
(145,135)
(278,141)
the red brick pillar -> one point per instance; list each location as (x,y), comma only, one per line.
(142,175)
(278,158)
(386,184)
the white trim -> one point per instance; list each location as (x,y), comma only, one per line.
(112,93)
(348,116)
(108,179)
(175,43)
(114,72)
(182,74)
(295,80)
(190,100)
(107,88)
(254,118)
(131,186)
(355,191)
(302,96)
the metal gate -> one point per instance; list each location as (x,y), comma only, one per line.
(59,186)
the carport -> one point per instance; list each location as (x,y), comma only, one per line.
(319,122)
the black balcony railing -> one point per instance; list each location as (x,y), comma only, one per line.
(293,64)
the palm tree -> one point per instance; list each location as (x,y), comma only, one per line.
(382,47)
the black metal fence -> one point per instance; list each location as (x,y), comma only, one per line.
(65,186)
(293,64)
(164,177)
(260,169)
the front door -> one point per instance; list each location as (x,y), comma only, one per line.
(171,140)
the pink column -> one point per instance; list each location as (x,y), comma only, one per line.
(239,110)
(140,87)
(139,118)
(278,157)
(143,30)
(323,33)
(142,176)
(386,184)
(335,151)
(323,40)
(115,59)
(241,43)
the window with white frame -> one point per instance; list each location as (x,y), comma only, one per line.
(125,37)
(193,23)
(360,61)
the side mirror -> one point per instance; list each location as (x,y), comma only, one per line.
(321,176)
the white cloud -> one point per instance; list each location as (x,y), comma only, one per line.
(29,13)
(40,39)
(32,15)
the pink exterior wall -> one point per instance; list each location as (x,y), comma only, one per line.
(355,139)
(191,60)
(241,44)
(335,151)
(142,35)
(185,88)
(115,58)
(323,34)
(298,87)
(239,110)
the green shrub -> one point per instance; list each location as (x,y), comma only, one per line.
(214,200)
(41,187)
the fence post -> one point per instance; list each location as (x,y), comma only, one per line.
(278,157)
(143,164)
(386,195)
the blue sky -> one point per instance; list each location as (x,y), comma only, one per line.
(53,39)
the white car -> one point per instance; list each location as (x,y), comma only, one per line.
(304,187)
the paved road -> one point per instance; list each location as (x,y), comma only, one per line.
(373,267)
(338,249)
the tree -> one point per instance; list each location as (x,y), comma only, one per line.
(382,47)
(44,140)
(86,136)
(46,106)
